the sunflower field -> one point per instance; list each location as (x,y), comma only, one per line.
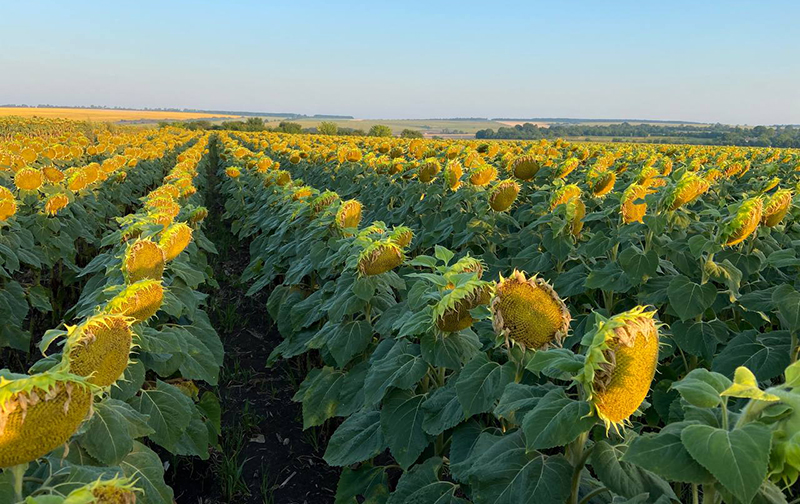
(518,322)
(502,322)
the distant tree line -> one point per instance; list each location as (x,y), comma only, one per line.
(323,128)
(717,134)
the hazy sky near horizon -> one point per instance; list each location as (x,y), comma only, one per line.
(727,61)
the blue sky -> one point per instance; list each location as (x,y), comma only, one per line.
(726,61)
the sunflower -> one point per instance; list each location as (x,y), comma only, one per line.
(28,179)
(745,222)
(349,214)
(632,211)
(525,167)
(503,195)
(529,312)
(140,300)
(777,207)
(379,257)
(99,349)
(39,413)
(144,260)
(620,363)
(174,240)
(56,203)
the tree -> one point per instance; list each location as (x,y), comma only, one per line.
(254,124)
(380,130)
(410,133)
(327,128)
(290,127)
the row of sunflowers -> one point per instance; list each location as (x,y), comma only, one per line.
(80,425)
(532,321)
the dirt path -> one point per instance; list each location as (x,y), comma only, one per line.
(265,456)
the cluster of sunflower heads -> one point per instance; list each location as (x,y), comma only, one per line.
(39,413)
(528,312)
(620,363)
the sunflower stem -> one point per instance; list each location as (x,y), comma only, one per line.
(695,494)
(709,494)
(18,473)
(725,413)
(579,455)
(593,493)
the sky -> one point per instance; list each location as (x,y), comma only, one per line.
(732,62)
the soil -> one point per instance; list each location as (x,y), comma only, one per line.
(262,429)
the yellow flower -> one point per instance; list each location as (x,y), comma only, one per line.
(99,349)
(503,195)
(140,300)
(28,179)
(175,239)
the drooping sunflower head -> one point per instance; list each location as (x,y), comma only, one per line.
(428,170)
(323,201)
(99,349)
(28,179)
(56,203)
(140,300)
(8,207)
(777,207)
(744,222)
(452,174)
(525,167)
(39,413)
(144,260)
(379,257)
(620,363)
(452,312)
(503,195)
(631,210)
(529,312)
(174,240)
(564,195)
(198,215)
(567,167)
(232,172)
(53,174)
(402,236)
(349,214)
(109,491)
(688,188)
(576,211)
(603,182)
(483,175)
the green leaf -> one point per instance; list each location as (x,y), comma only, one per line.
(109,434)
(638,265)
(746,386)
(364,288)
(738,459)
(787,299)
(443,254)
(144,466)
(556,420)
(481,383)
(664,454)
(505,473)
(702,388)
(449,351)
(371,483)
(624,478)
(169,412)
(689,299)
(39,297)
(558,363)
(349,340)
(319,394)
(401,423)
(442,410)
(358,438)
(518,399)
(401,367)
(422,484)
(194,440)
(766,355)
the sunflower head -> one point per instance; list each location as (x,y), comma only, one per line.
(379,257)
(428,170)
(99,349)
(109,491)
(28,179)
(452,174)
(567,167)
(576,211)
(777,207)
(232,172)
(688,188)
(452,312)
(631,210)
(198,215)
(8,207)
(602,182)
(744,222)
(140,300)
(56,203)
(174,240)
(621,359)
(529,312)
(525,167)
(349,214)
(483,175)
(144,260)
(503,195)
(39,413)
(564,195)
(402,236)
(323,201)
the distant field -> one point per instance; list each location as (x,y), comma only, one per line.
(429,126)
(104,115)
